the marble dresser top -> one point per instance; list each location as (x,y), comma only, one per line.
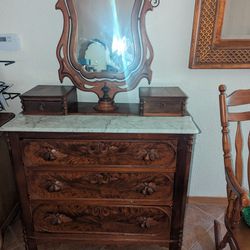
(102,124)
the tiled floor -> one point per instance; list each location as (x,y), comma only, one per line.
(198,232)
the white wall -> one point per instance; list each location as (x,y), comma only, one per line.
(169,27)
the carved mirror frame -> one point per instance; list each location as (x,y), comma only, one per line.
(208,49)
(105,84)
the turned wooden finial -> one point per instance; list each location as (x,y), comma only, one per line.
(222,88)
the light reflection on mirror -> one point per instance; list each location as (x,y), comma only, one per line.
(236,24)
(105,41)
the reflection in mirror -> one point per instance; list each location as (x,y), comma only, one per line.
(236,24)
(105,43)
(104,47)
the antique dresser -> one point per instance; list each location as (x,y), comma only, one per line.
(102,179)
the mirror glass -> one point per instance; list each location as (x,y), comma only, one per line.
(104,47)
(104,35)
(236,24)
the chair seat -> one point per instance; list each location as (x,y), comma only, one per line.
(242,235)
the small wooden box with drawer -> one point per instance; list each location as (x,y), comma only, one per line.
(162,101)
(48,100)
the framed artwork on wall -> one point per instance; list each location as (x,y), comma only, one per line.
(221,35)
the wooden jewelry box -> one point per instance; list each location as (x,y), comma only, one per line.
(48,100)
(162,101)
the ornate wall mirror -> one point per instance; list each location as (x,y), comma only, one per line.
(221,34)
(104,47)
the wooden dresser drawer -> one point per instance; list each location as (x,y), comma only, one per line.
(93,219)
(82,153)
(89,185)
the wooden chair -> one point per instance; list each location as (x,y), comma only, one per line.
(238,233)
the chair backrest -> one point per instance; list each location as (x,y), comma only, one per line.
(234,166)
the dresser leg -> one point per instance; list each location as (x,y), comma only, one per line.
(30,244)
(175,246)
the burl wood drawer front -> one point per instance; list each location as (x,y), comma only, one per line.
(80,153)
(90,185)
(80,218)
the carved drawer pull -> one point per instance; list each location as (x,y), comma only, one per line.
(54,186)
(97,148)
(99,179)
(102,179)
(146,222)
(147,188)
(49,155)
(58,219)
(148,155)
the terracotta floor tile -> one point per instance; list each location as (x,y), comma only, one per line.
(214,210)
(197,223)
(221,219)
(206,242)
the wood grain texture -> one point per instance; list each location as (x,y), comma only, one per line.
(75,217)
(48,99)
(80,153)
(237,195)
(120,189)
(154,187)
(238,157)
(162,101)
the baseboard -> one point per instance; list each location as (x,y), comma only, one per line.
(207,200)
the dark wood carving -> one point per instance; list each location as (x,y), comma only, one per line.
(121,189)
(80,153)
(79,218)
(53,185)
(68,185)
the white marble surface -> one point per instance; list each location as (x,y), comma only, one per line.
(102,124)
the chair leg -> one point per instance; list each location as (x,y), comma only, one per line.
(232,244)
(217,234)
(220,243)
